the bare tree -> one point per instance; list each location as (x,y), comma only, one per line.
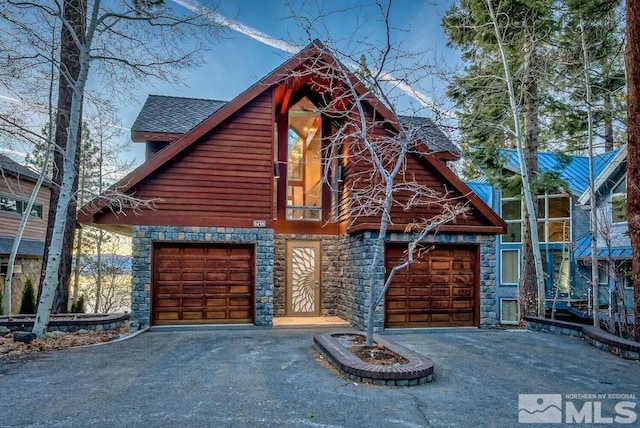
(373,145)
(106,274)
(525,171)
(127,40)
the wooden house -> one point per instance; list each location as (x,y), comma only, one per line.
(16,185)
(243,230)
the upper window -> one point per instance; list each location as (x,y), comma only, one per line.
(304,162)
(553,214)
(619,202)
(10,204)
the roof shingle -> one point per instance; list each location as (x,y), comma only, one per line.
(177,115)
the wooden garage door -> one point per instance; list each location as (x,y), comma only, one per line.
(436,291)
(202,284)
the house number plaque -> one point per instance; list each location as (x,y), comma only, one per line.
(259,223)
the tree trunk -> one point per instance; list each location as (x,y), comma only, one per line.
(99,280)
(608,122)
(633,148)
(76,271)
(74,14)
(533,295)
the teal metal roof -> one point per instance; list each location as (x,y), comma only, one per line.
(575,173)
(483,190)
(583,250)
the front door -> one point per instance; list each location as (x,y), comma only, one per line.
(303,278)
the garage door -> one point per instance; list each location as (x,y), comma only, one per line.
(202,284)
(438,290)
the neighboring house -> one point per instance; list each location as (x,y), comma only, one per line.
(614,247)
(16,185)
(562,220)
(242,235)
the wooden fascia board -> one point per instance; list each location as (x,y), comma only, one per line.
(461,187)
(448,228)
(144,136)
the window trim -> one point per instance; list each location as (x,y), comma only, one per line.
(619,195)
(21,204)
(510,299)
(544,221)
(502,282)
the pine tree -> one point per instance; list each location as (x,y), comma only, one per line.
(28,305)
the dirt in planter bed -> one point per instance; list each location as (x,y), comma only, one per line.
(378,354)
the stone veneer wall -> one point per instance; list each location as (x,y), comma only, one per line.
(144,236)
(354,301)
(31,267)
(330,276)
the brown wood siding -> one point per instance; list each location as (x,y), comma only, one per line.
(226,176)
(417,169)
(202,284)
(21,189)
(440,289)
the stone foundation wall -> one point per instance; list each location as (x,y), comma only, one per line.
(31,267)
(144,236)
(330,276)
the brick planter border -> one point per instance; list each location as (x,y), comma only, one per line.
(66,322)
(624,348)
(418,371)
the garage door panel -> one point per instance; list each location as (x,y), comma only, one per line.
(439,290)
(196,283)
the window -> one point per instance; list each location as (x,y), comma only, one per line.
(304,162)
(619,202)
(512,215)
(510,267)
(556,265)
(624,274)
(553,213)
(10,204)
(509,311)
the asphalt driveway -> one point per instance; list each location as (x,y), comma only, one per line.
(258,377)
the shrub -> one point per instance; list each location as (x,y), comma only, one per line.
(28,304)
(78,306)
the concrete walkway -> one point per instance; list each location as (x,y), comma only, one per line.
(271,378)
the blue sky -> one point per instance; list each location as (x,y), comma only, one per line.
(237,61)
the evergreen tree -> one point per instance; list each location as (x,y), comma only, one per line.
(28,305)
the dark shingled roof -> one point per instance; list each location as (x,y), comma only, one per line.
(14,168)
(429,133)
(176,115)
(27,247)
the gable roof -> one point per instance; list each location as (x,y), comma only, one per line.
(7,165)
(429,134)
(174,115)
(575,173)
(607,174)
(315,51)
(177,115)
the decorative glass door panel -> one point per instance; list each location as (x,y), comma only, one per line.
(303,278)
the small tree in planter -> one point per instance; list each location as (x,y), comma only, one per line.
(379,148)
(28,304)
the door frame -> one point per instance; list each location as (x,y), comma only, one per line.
(317,246)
